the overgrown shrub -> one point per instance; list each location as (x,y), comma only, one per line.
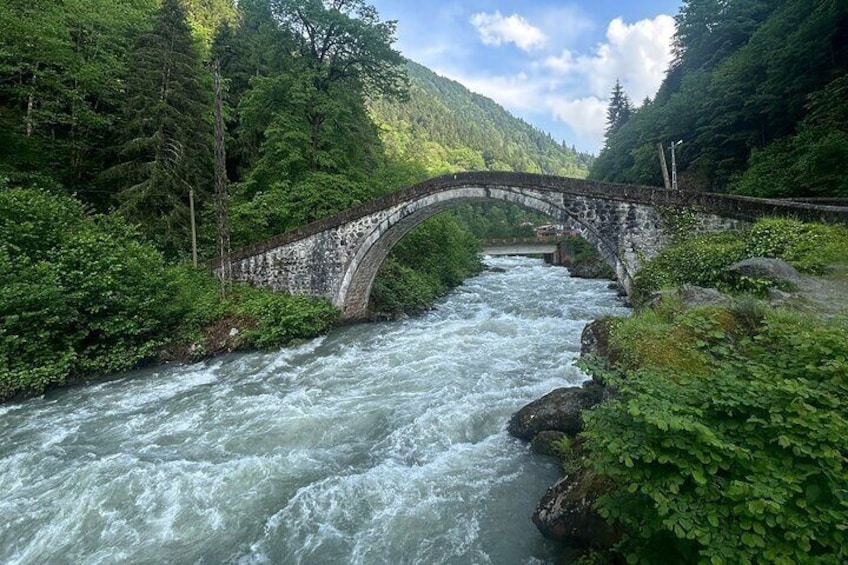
(432,259)
(82,295)
(744,462)
(811,248)
(699,261)
(78,294)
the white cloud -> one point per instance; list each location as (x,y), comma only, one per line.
(637,54)
(497,29)
(572,87)
(585,116)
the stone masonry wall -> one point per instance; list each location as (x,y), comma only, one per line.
(338,258)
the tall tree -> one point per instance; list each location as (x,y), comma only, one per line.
(345,47)
(61,88)
(619,110)
(167,152)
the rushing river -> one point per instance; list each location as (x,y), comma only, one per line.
(380,443)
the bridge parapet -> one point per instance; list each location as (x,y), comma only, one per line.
(338,257)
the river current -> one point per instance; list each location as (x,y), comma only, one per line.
(379,443)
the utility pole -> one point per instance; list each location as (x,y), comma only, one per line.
(674,165)
(221,180)
(664,166)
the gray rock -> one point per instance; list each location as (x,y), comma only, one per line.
(559,410)
(777,296)
(565,513)
(596,269)
(594,340)
(692,296)
(775,270)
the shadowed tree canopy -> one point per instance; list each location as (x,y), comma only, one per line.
(746,77)
(345,40)
(167,152)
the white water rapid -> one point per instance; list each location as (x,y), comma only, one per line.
(380,443)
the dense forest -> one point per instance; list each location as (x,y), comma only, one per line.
(447,128)
(131,129)
(757,93)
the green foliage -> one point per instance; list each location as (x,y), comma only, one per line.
(699,261)
(166,151)
(811,248)
(428,262)
(736,459)
(61,70)
(277,319)
(447,128)
(809,163)
(757,94)
(85,295)
(263,319)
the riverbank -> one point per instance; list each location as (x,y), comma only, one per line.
(712,426)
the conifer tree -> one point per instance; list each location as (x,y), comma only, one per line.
(618,112)
(167,152)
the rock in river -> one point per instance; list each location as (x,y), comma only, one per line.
(559,410)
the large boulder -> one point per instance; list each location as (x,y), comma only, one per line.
(547,442)
(566,514)
(559,410)
(594,340)
(775,270)
(691,296)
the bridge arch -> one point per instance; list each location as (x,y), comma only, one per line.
(338,257)
(360,273)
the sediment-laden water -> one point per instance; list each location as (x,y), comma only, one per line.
(380,443)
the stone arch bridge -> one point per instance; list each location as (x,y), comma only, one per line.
(338,257)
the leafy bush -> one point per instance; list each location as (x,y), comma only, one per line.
(281,318)
(811,248)
(78,294)
(432,259)
(741,463)
(85,295)
(264,318)
(699,261)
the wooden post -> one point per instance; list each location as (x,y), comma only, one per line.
(664,166)
(193,227)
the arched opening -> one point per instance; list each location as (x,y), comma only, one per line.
(355,290)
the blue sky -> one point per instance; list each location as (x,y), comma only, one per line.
(551,63)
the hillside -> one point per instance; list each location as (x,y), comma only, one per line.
(446,127)
(756,93)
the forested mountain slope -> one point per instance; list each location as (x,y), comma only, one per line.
(447,128)
(758,94)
